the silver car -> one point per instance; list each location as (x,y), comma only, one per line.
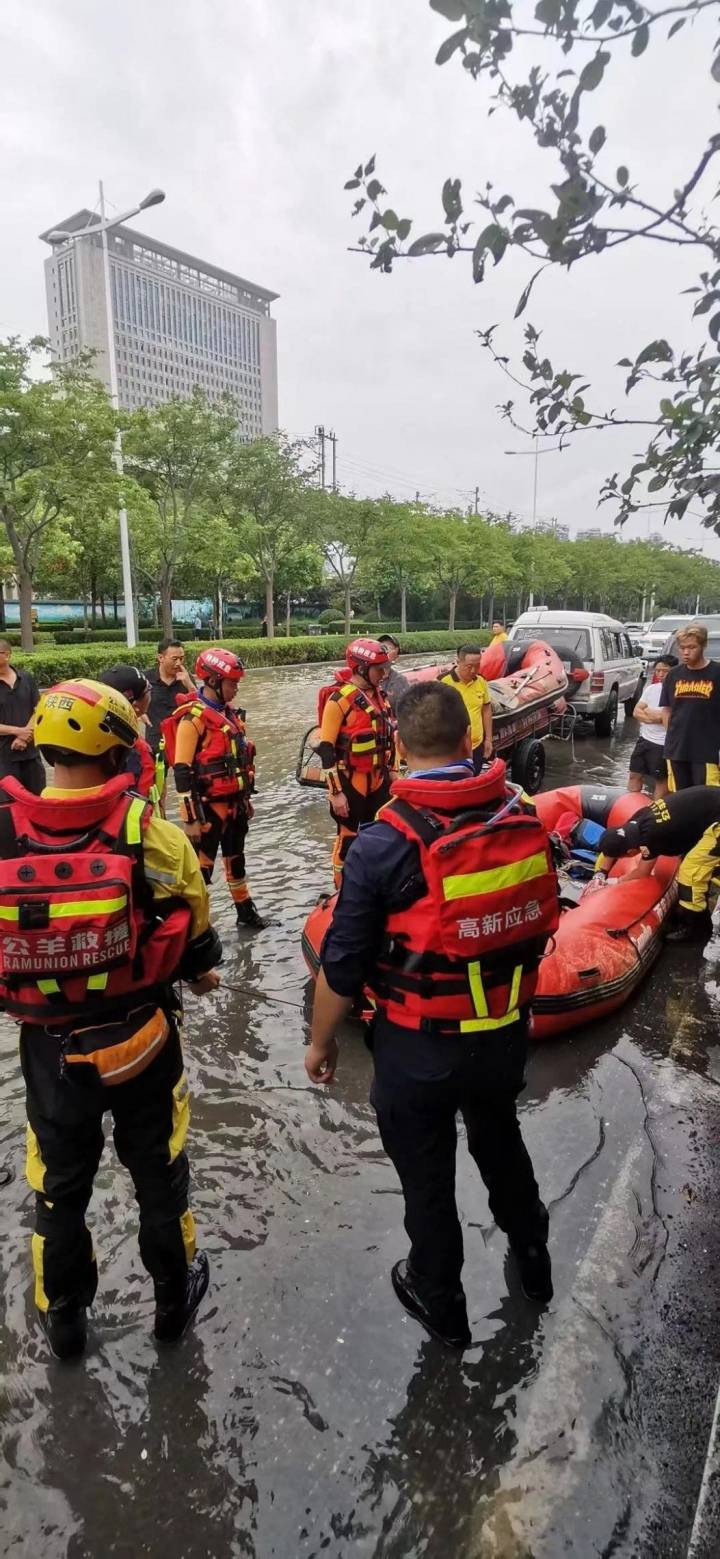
(602,646)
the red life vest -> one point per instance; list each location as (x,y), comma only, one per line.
(224,763)
(340,678)
(79,929)
(366,741)
(145,780)
(462,957)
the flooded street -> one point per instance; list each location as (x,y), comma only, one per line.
(306,1414)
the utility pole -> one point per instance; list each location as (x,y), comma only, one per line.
(320,432)
(332,436)
(477,499)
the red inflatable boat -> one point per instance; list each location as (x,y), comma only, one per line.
(604,945)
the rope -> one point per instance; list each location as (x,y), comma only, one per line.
(249,990)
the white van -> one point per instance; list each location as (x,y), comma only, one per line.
(604,648)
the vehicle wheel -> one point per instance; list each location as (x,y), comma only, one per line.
(606,722)
(528,765)
(629,704)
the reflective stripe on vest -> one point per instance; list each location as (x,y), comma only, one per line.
(475,884)
(482,1022)
(74,907)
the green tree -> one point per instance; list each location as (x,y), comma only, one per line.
(301,570)
(179,454)
(456,558)
(346,529)
(266,500)
(401,551)
(593,205)
(56,438)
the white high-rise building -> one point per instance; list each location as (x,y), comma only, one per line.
(178,322)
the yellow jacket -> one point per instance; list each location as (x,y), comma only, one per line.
(475,695)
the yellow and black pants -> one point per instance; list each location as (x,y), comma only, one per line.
(225,829)
(364,803)
(681,776)
(697,870)
(64,1146)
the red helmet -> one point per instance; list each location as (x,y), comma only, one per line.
(214,665)
(364,653)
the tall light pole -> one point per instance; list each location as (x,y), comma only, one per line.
(536,451)
(103,227)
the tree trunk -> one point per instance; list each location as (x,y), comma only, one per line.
(102,607)
(348,609)
(85,609)
(217,608)
(93,599)
(116,619)
(491,609)
(25,592)
(2,604)
(288,605)
(453,604)
(270,607)
(403,608)
(166,608)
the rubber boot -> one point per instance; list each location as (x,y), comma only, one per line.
(694,927)
(248,915)
(447,1322)
(65,1326)
(173,1316)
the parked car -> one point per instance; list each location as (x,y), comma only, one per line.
(658,633)
(712,623)
(603,647)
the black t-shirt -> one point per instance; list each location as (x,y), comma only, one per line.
(17,704)
(673,825)
(163,700)
(693,698)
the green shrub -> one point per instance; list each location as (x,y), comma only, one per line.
(53,663)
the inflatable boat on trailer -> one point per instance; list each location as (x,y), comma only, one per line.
(527,682)
(607,940)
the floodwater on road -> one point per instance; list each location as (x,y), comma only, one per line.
(306,1414)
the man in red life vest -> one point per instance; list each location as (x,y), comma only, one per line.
(446,904)
(102,907)
(357,744)
(215,774)
(140,762)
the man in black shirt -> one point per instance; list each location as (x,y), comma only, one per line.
(688,824)
(168,678)
(18,697)
(690,701)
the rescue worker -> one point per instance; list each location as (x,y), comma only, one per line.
(214,771)
(444,919)
(103,907)
(148,774)
(395,684)
(356,745)
(475,693)
(687,823)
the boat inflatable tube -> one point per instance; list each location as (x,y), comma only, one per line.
(604,945)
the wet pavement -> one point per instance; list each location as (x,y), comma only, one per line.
(306,1415)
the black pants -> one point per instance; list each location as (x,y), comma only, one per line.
(65,1143)
(681,775)
(420,1084)
(30,772)
(226,829)
(364,805)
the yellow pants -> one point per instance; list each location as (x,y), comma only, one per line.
(681,776)
(697,870)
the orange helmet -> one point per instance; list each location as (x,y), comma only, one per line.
(364,653)
(214,665)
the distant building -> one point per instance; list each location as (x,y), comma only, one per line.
(178,322)
(594,533)
(656,539)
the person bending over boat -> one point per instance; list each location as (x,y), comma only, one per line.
(685,823)
(445,918)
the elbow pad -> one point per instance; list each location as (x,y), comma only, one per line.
(183,779)
(204,952)
(326,754)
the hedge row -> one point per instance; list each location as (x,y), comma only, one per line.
(54,663)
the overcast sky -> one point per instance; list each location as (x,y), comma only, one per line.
(251,114)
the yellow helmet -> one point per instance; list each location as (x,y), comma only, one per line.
(84,717)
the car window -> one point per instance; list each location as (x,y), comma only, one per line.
(627,649)
(577,639)
(608,641)
(667,624)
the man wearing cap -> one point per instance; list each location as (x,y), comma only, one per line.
(395,684)
(140,762)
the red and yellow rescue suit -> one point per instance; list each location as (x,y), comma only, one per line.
(102,907)
(357,747)
(215,777)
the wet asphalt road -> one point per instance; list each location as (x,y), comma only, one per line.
(306,1415)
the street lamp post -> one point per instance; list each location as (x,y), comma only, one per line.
(535,452)
(103,227)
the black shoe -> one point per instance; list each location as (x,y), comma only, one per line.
(535,1272)
(699,929)
(172,1320)
(448,1323)
(65,1326)
(247,915)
